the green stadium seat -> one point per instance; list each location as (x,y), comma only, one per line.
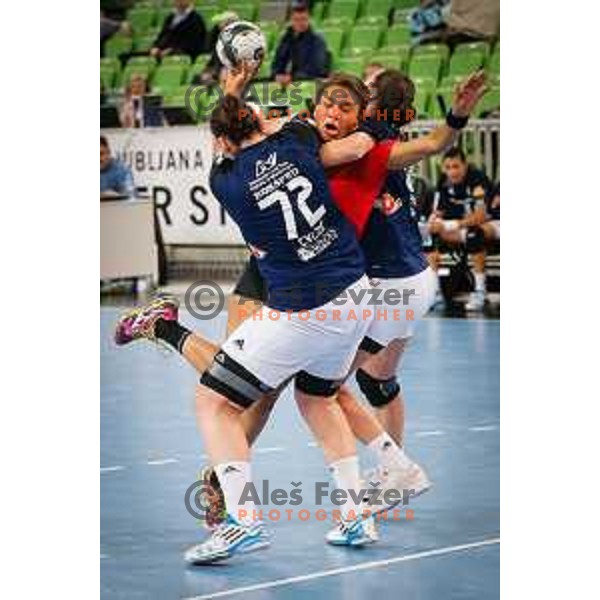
(204,102)
(144,43)
(354,66)
(176,97)
(141,19)
(271,31)
(176,59)
(208,13)
(493,65)
(397,35)
(424,88)
(341,23)
(405,4)
(194,70)
(467,58)
(379,22)
(308,89)
(387,60)
(342,8)
(376,8)
(334,39)
(202,59)
(162,14)
(141,61)
(265,68)
(118,44)
(425,65)
(489,102)
(167,78)
(363,37)
(447,94)
(440,50)
(110,61)
(108,77)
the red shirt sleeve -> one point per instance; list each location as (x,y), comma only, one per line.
(355,186)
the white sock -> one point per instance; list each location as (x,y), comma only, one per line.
(233,476)
(389,455)
(346,475)
(480,282)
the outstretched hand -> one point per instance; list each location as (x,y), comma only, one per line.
(238,77)
(468,93)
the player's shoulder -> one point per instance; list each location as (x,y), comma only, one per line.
(221,170)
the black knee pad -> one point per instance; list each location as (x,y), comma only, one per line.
(378,392)
(316,386)
(475,239)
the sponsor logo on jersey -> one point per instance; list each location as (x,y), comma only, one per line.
(239,344)
(262,166)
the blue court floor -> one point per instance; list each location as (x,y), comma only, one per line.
(150,454)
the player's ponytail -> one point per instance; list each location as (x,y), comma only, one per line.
(233,119)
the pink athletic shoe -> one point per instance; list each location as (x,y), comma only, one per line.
(138,323)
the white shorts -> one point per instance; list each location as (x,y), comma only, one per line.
(400,306)
(274,346)
(496,227)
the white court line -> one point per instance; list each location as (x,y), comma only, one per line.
(484,428)
(429,433)
(163,461)
(109,469)
(350,569)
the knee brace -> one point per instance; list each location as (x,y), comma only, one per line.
(378,392)
(475,239)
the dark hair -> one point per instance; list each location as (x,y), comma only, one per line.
(357,88)
(300,7)
(103,141)
(455,152)
(234,119)
(394,91)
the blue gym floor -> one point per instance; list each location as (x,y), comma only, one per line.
(150,454)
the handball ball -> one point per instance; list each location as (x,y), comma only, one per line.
(241,42)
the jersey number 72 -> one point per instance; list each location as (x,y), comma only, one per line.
(304,187)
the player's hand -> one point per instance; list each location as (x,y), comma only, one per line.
(238,77)
(468,93)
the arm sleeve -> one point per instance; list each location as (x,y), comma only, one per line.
(377,129)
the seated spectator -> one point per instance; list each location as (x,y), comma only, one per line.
(183,32)
(302,53)
(135,111)
(213,69)
(116,179)
(459,217)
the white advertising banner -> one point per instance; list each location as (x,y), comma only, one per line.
(172,165)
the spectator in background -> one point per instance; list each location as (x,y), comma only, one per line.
(459,215)
(183,32)
(302,53)
(116,179)
(136,111)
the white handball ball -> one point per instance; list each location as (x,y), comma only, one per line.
(241,42)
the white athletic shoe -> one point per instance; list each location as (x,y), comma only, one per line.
(227,539)
(411,482)
(358,532)
(476,301)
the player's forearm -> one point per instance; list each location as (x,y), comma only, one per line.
(348,149)
(405,154)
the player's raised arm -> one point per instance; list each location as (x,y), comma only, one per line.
(466,97)
(348,149)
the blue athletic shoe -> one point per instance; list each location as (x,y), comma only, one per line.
(358,532)
(229,538)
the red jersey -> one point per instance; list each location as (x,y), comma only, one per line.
(355,186)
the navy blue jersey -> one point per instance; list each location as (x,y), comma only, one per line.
(392,242)
(457,201)
(277,193)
